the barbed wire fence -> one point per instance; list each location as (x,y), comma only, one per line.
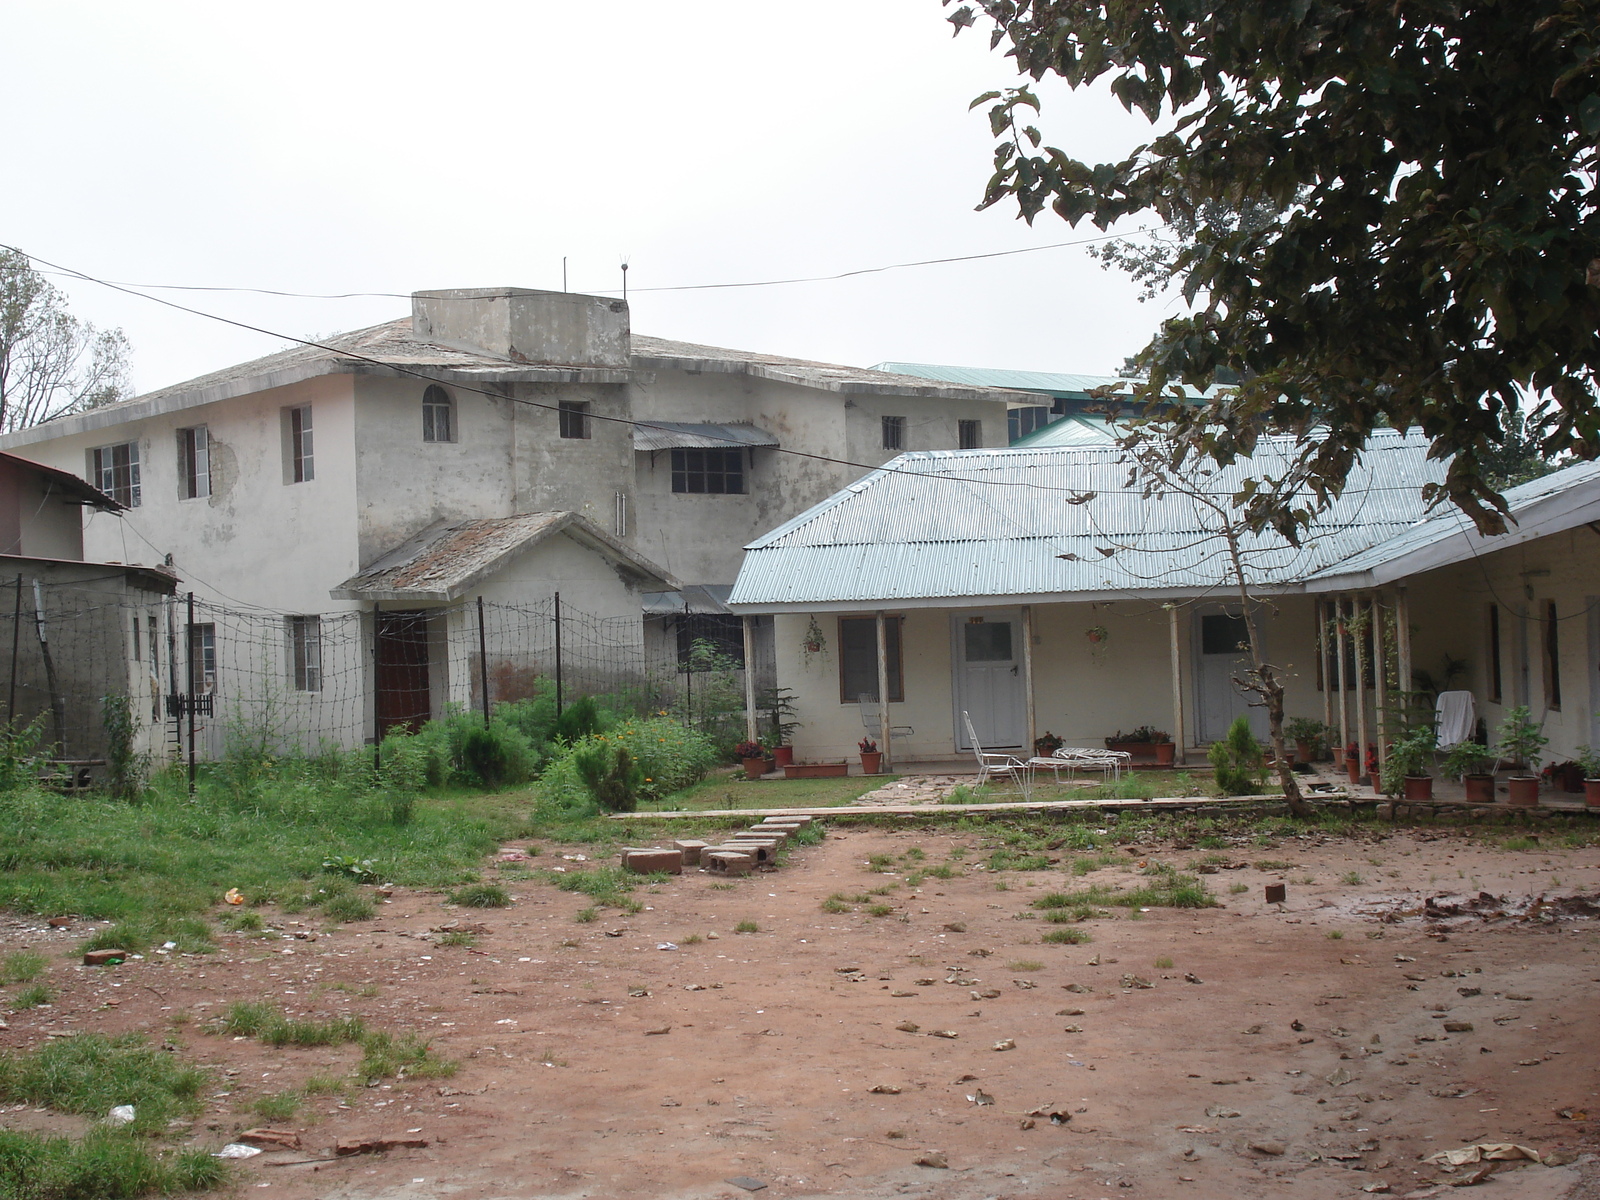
(206,679)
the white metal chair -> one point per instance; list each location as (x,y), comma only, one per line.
(872,720)
(991,764)
(1085,758)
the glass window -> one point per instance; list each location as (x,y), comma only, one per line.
(1223,634)
(116,472)
(1021,422)
(988,641)
(894,433)
(969,435)
(438,415)
(305,653)
(716,472)
(194,463)
(298,431)
(202,659)
(574,418)
(858,659)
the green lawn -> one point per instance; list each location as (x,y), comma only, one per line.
(720,791)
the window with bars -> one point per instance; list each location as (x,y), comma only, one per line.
(574,416)
(202,659)
(894,433)
(305,652)
(299,462)
(194,463)
(969,435)
(1020,422)
(711,472)
(115,471)
(438,415)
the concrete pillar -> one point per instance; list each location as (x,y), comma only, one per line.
(1180,750)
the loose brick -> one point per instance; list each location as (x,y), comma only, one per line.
(101,958)
(787,820)
(691,849)
(647,862)
(727,862)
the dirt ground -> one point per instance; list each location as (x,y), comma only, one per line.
(1303,1051)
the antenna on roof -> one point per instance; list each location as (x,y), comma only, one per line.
(624,278)
(563,272)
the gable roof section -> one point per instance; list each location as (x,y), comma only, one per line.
(953,528)
(1562,500)
(445,561)
(78,488)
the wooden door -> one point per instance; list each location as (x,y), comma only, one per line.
(404,698)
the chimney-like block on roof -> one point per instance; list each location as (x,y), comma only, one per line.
(557,328)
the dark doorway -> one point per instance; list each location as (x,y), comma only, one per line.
(403,694)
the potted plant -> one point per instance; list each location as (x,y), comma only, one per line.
(871,757)
(1144,742)
(1466,761)
(779,705)
(1406,769)
(1047,744)
(1568,776)
(1352,762)
(1521,741)
(1588,761)
(1307,735)
(754,757)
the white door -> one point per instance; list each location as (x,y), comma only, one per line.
(987,652)
(1219,634)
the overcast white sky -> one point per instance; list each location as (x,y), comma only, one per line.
(355,146)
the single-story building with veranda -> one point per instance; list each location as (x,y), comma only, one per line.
(973,585)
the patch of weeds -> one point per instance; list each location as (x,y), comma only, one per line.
(1272,865)
(1070,936)
(915,879)
(88,1073)
(244,922)
(1066,916)
(1135,915)
(916,854)
(246,1018)
(190,935)
(1306,880)
(694,939)
(277,1106)
(880,863)
(1238,889)
(104,1165)
(1000,885)
(351,906)
(1335,935)
(385,1056)
(747,927)
(584,915)
(1167,889)
(32,996)
(482,895)
(1212,843)
(882,891)
(323,1085)
(722,887)
(836,904)
(458,937)
(1025,964)
(941,872)
(22,966)
(880,910)
(1353,878)
(548,1057)
(1006,859)
(807,835)
(1163,963)
(1520,843)
(957,853)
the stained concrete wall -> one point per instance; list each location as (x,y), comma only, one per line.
(37,517)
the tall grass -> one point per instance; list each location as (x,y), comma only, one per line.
(90,1073)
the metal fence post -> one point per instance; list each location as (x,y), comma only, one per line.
(193,679)
(16,648)
(558,654)
(483,663)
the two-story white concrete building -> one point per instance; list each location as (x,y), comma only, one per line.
(338,509)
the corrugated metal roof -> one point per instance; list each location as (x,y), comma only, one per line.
(1448,522)
(702,598)
(1057,383)
(934,526)
(1069,431)
(443,561)
(681,435)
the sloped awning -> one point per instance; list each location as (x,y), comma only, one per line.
(696,598)
(444,561)
(692,435)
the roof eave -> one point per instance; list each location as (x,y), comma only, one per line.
(758,608)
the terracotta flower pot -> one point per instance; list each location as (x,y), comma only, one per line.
(1352,767)
(1419,787)
(1591,792)
(1524,790)
(872,763)
(1165,753)
(1480,788)
(1303,749)
(783,755)
(754,768)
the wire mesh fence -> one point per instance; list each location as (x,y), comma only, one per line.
(202,675)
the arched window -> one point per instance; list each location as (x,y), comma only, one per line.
(438,415)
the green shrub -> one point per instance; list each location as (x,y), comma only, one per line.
(349,906)
(669,758)
(482,895)
(609,773)
(1238,760)
(578,720)
(106,1164)
(89,1073)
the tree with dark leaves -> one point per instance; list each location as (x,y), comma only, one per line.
(1432,253)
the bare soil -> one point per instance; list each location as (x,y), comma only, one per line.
(1296,1051)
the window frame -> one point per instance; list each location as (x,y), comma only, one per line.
(1496,680)
(201,668)
(894,632)
(893,432)
(969,433)
(194,462)
(573,419)
(299,445)
(104,470)
(438,405)
(304,632)
(684,473)
(1552,657)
